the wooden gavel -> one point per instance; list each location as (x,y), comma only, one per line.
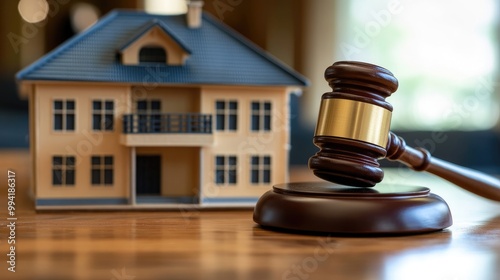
(353,134)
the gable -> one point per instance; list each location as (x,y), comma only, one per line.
(154,37)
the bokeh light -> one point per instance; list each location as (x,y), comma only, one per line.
(33,11)
(170,7)
(83,15)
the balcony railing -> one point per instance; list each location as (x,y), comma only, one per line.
(167,123)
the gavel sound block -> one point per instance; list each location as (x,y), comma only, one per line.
(352,134)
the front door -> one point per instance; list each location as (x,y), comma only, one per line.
(148,175)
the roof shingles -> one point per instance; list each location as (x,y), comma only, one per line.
(218,56)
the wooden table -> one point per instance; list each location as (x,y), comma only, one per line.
(228,245)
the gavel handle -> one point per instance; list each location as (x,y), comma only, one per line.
(420,159)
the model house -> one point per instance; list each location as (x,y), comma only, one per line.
(156,111)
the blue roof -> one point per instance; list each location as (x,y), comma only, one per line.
(219,55)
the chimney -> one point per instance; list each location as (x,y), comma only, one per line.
(194,11)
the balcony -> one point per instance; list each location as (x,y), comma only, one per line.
(166,130)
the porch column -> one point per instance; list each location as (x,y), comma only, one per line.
(132,177)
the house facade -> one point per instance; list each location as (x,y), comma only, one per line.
(154,111)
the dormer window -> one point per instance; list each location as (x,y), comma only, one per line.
(153,54)
(154,43)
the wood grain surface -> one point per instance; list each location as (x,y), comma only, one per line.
(189,244)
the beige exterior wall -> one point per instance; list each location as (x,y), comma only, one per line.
(155,37)
(186,171)
(244,143)
(82,143)
(33,140)
(173,99)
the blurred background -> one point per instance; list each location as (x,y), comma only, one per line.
(444,54)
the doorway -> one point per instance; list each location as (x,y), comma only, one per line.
(148,175)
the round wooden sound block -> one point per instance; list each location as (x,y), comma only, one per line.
(332,208)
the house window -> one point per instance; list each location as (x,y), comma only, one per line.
(149,112)
(102,170)
(64,115)
(152,55)
(260,169)
(261,116)
(225,170)
(226,115)
(148,106)
(63,170)
(102,115)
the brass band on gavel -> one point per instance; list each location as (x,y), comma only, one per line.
(354,120)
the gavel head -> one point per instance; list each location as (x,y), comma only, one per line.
(353,124)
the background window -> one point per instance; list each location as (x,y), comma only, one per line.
(444,54)
(260,170)
(103,115)
(226,115)
(102,170)
(63,170)
(64,115)
(225,170)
